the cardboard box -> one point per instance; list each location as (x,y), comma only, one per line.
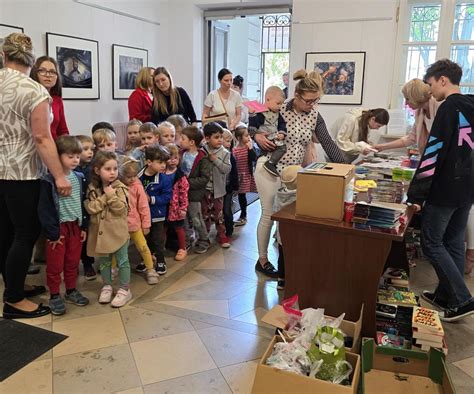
(390,370)
(276,317)
(273,380)
(320,191)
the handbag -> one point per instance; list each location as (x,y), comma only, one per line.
(219,117)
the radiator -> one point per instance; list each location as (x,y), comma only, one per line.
(121,132)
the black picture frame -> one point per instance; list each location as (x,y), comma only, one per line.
(5,30)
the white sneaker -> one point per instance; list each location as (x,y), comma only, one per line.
(152,277)
(121,298)
(105,294)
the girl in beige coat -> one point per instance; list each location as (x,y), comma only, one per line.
(106,202)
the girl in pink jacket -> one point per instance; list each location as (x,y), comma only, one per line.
(139,218)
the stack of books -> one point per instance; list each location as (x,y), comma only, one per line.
(377,216)
(387,191)
(427,329)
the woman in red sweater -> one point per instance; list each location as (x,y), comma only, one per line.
(45,71)
(141,100)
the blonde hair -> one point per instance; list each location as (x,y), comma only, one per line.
(149,127)
(172,149)
(144,79)
(308,82)
(416,92)
(165,125)
(85,138)
(273,91)
(177,120)
(128,167)
(103,135)
(18,48)
(134,122)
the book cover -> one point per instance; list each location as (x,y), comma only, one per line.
(405,298)
(390,340)
(437,344)
(424,336)
(255,106)
(427,321)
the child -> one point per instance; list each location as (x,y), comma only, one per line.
(149,135)
(179,124)
(84,167)
(158,189)
(108,230)
(245,156)
(232,185)
(105,140)
(133,136)
(215,189)
(167,133)
(197,167)
(179,201)
(271,122)
(64,222)
(102,125)
(139,219)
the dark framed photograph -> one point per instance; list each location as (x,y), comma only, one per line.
(5,30)
(126,63)
(343,74)
(78,63)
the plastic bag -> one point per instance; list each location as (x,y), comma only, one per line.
(290,357)
(292,310)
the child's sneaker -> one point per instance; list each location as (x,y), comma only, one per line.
(181,255)
(89,273)
(141,267)
(224,241)
(201,247)
(105,294)
(121,298)
(281,284)
(240,222)
(76,298)
(57,306)
(161,268)
(152,277)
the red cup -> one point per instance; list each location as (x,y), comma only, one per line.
(348,211)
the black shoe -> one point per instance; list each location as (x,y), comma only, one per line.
(140,268)
(33,269)
(430,297)
(268,269)
(281,284)
(36,290)
(452,315)
(271,168)
(89,273)
(10,312)
(161,268)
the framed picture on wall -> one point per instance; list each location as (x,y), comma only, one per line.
(5,30)
(343,74)
(126,63)
(78,63)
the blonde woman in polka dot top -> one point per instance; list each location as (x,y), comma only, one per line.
(303,124)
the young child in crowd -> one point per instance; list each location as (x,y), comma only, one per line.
(84,167)
(272,123)
(158,189)
(179,201)
(149,135)
(139,219)
(197,167)
(105,140)
(215,190)
(107,204)
(133,136)
(167,133)
(64,221)
(245,156)
(179,124)
(102,125)
(232,185)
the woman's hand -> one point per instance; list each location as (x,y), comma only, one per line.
(379,147)
(263,142)
(63,186)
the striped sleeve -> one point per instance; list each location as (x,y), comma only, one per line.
(332,150)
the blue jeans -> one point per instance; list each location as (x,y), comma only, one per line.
(442,239)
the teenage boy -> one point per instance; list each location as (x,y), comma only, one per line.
(149,135)
(443,188)
(64,222)
(213,201)
(197,167)
(159,190)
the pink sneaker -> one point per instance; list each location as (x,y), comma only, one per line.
(121,298)
(105,294)
(180,255)
(224,241)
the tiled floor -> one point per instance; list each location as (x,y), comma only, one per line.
(198,330)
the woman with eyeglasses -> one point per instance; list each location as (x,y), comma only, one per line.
(303,124)
(45,71)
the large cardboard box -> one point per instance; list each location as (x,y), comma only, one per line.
(273,380)
(321,188)
(277,317)
(390,370)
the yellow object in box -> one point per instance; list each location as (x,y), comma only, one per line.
(363,185)
(321,189)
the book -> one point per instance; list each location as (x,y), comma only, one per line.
(423,336)
(437,344)
(404,298)
(255,106)
(384,339)
(396,277)
(427,321)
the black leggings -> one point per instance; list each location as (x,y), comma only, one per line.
(243,205)
(19,230)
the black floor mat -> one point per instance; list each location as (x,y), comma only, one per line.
(251,198)
(21,343)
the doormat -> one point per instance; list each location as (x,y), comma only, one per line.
(251,198)
(21,343)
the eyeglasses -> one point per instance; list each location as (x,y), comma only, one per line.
(309,102)
(43,72)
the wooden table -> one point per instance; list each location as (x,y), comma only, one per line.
(333,266)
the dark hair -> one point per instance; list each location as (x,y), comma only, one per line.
(193,133)
(222,123)
(68,144)
(222,73)
(238,81)
(239,132)
(57,89)
(102,125)
(100,158)
(444,68)
(212,128)
(156,152)
(381,116)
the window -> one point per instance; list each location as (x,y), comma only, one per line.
(431,30)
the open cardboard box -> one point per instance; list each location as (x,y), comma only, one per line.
(272,380)
(277,317)
(390,370)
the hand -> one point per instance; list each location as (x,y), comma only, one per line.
(264,142)
(142,148)
(212,156)
(146,231)
(379,147)
(250,144)
(251,111)
(366,151)
(53,244)
(416,207)
(182,214)
(109,190)
(83,236)
(63,186)
(280,136)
